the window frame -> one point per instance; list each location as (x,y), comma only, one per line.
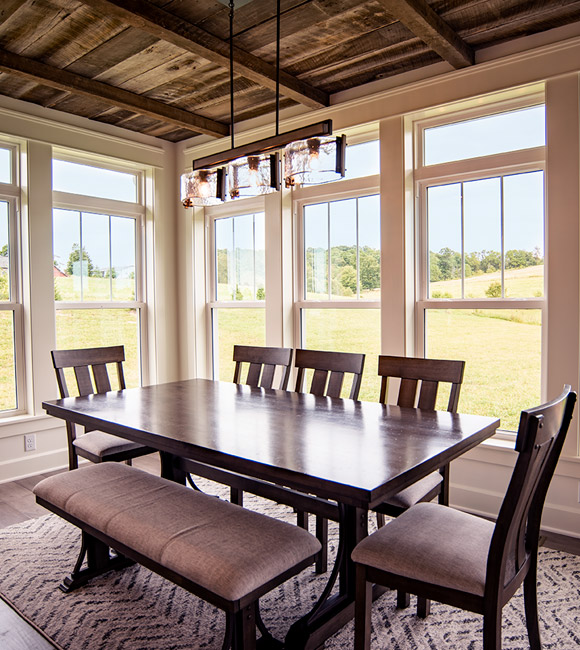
(112,207)
(231,209)
(478,168)
(10,193)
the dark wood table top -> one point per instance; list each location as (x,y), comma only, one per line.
(354,452)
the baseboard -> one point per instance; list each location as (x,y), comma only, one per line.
(37,463)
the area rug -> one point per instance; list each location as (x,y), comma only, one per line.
(137,610)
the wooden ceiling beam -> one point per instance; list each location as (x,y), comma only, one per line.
(168,27)
(421,20)
(78,85)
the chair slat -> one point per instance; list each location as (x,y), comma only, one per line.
(254,374)
(84,383)
(101,377)
(428,395)
(267,379)
(335,384)
(407,393)
(318,385)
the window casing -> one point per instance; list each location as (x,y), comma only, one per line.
(12,375)
(480,283)
(337,271)
(100,293)
(236,270)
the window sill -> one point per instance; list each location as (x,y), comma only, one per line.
(27,423)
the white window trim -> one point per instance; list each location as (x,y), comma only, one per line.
(14,305)
(112,207)
(309,195)
(502,164)
(237,208)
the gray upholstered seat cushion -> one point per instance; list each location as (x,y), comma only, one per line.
(414,493)
(102,444)
(432,543)
(220,546)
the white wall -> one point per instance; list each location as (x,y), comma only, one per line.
(37,130)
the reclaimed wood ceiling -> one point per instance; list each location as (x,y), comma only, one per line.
(161,67)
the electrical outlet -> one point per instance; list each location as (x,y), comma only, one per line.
(30,442)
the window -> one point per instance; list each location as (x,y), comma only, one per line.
(339,274)
(88,180)
(238,286)
(481,287)
(362,159)
(484,136)
(12,398)
(98,283)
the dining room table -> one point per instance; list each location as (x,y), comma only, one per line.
(336,457)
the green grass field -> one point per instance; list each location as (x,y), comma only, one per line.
(502,349)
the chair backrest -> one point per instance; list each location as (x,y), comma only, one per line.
(85,360)
(420,379)
(514,544)
(329,370)
(263,363)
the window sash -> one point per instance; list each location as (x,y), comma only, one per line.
(14,304)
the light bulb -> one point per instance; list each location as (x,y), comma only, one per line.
(313,154)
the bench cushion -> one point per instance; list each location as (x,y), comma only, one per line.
(222,547)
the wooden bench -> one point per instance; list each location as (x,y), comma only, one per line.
(225,554)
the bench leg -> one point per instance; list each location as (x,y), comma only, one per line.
(241,629)
(99,561)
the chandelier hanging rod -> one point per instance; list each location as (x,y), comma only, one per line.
(264,146)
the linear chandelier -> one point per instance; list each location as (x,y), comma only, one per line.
(311,155)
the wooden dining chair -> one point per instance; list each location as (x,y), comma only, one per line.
(463,560)
(420,380)
(262,363)
(329,372)
(327,380)
(91,374)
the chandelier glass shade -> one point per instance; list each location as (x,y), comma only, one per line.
(203,187)
(314,161)
(253,175)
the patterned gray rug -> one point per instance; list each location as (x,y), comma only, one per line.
(137,610)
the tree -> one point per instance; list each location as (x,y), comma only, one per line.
(449,262)
(4,292)
(4,251)
(370,268)
(489,261)
(75,257)
(346,277)
(520,259)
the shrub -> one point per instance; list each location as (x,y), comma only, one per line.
(494,290)
(441,294)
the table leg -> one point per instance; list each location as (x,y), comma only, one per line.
(332,612)
(170,468)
